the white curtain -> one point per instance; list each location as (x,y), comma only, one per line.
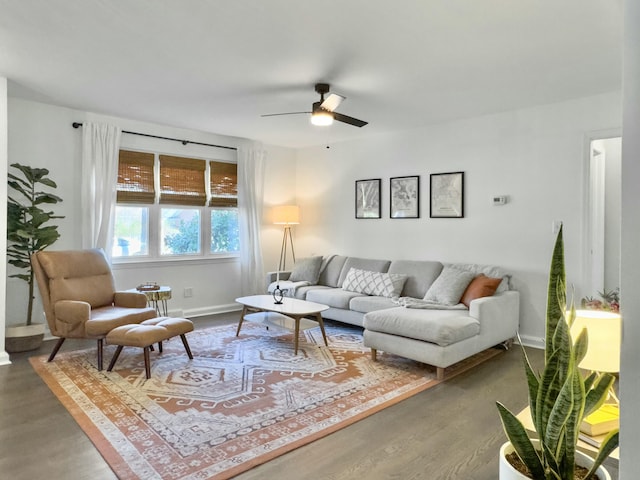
(251,161)
(100,146)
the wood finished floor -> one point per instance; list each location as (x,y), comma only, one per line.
(451,431)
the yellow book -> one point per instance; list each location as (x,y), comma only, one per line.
(603,420)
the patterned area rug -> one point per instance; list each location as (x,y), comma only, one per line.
(240,402)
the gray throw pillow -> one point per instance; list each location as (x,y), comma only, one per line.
(448,288)
(306,270)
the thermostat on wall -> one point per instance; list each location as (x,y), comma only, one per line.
(499,200)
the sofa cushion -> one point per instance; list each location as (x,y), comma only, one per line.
(481,286)
(331,269)
(420,275)
(362,264)
(449,286)
(374,283)
(442,327)
(289,289)
(306,270)
(301,292)
(333,297)
(370,303)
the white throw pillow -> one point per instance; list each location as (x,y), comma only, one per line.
(374,283)
(448,288)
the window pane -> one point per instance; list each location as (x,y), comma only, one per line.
(180,231)
(225,236)
(131,232)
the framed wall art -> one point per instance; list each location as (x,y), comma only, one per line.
(368,198)
(405,197)
(447,195)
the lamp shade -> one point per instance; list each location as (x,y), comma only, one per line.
(604,334)
(286,215)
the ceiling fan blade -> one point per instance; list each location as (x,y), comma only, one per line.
(350,120)
(332,102)
(278,114)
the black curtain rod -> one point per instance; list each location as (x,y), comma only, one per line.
(184,142)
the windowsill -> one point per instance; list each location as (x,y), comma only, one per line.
(122,264)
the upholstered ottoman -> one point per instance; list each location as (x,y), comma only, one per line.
(145,334)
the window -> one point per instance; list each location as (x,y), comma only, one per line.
(166,209)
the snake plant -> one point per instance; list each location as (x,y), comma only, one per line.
(560,396)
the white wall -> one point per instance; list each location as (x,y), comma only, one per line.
(534,156)
(4,356)
(630,269)
(41,135)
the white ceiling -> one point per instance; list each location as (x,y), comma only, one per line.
(218,65)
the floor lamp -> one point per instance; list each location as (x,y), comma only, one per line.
(286,215)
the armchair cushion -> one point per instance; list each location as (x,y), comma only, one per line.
(78,275)
(105,319)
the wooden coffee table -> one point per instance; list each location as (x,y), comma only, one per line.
(289,314)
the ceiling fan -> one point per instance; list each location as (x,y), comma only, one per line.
(323,112)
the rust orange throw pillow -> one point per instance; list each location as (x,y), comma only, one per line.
(481,286)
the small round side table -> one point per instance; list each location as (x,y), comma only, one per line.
(157,298)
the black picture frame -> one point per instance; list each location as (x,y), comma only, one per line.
(404,195)
(367,193)
(446,195)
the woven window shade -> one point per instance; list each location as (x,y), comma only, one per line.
(135,177)
(182,181)
(223,180)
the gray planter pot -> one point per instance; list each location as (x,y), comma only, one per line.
(24,338)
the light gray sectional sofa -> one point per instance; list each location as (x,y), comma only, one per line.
(410,308)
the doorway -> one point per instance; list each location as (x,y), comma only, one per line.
(604,215)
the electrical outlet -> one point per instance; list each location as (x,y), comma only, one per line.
(188,292)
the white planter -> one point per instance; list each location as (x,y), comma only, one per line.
(23,338)
(507,472)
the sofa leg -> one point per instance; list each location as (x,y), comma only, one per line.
(439,373)
(374,354)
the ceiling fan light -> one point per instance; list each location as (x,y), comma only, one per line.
(321,118)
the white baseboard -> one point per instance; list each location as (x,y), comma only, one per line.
(534,342)
(211,310)
(4,358)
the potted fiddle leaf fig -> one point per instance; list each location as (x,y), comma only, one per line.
(28,231)
(559,398)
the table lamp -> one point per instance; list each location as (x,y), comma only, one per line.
(604,333)
(603,355)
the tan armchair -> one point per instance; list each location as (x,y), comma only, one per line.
(79,297)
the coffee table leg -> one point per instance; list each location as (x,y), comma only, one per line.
(244,311)
(296,334)
(321,323)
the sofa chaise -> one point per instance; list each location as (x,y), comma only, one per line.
(431,312)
